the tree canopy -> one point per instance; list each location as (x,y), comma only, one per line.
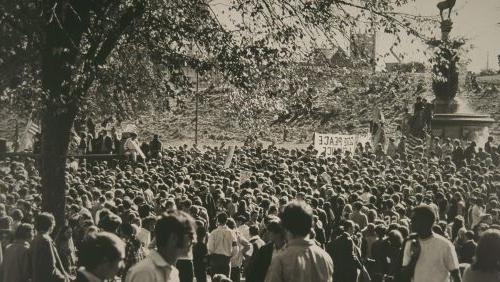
(58,56)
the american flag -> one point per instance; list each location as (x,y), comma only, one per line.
(32,128)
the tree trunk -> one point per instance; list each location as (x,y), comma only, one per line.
(56,130)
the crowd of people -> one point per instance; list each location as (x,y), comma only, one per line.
(273,214)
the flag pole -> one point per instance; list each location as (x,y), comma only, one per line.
(16,136)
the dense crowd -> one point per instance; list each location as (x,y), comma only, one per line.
(271,214)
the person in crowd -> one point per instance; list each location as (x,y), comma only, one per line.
(358,216)
(342,250)
(101,257)
(200,253)
(391,147)
(16,265)
(447,148)
(255,239)
(222,245)
(488,146)
(436,257)
(302,260)
(133,247)
(155,146)
(470,151)
(45,260)
(243,247)
(109,195)
(401,149)
(468,248)
(261,259)
(174,234)
(131,147)
(66,248)
(485,268)
(428,114)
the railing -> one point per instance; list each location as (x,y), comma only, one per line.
(91,157)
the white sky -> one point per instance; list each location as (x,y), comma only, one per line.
(476,20)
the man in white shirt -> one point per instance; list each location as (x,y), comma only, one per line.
(436,257)
(222,245)
(174,234)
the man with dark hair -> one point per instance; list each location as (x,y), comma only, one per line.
(101,256)
(342,252)
(255,239)
(174,233)
(489,145)
(46,263)
(16,265)
(302,260)
(261,258)
(436,256)
(222,245)
(358,216)
(155,146)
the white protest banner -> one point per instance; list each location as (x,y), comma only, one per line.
(128,127)
(229,157)
(326,144)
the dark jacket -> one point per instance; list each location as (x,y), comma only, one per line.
(467,252)
(46,263)
(346,263)
(257,267)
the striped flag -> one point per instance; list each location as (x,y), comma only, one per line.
(32,129)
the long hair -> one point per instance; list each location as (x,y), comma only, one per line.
(488,252)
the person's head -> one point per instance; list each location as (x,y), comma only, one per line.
(24,232)
(488,252)
(422,220)
(222,218)
(275,232)
(102,254)
(174,233)
(253,230)
(44,223)
(349,226)
(297,218)
(201,233)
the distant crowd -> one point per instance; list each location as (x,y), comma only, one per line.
(423,213)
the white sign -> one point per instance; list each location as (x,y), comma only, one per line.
(327,144)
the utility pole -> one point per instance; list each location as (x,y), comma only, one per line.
(488,60)
(196,112)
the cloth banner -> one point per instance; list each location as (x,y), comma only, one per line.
(229,157)
(327,144)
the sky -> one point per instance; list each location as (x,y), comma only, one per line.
(476,20)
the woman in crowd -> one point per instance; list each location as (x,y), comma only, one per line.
(486,267)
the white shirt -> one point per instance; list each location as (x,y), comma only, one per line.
(153,269)
(477,211)
(220,241)
(145,237)
(244,230)
(90,276)
(437,258)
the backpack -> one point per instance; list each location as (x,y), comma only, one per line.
(406,273)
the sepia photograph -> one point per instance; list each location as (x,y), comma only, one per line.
(250,140)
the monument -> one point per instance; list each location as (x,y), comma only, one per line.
(452,117)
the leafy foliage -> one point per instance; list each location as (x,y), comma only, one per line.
(129,55)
